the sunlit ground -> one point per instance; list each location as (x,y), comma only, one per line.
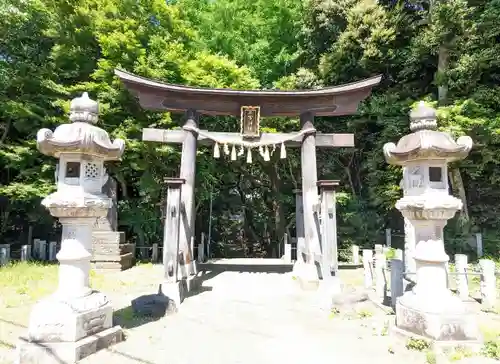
(22,284)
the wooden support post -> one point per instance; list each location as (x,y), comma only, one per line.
(299,226)
(488,284)
(188,172)
(462,281)
(309,188)
(30,235)
(479,244)
(388,237)
(329,263)
(171,231)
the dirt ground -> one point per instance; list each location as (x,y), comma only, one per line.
(237,317)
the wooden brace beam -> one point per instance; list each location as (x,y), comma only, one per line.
(178,136)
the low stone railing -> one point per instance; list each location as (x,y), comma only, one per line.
(389,280)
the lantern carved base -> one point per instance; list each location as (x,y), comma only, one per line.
(443,320)
(65,330)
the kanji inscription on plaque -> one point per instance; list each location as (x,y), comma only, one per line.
(250,121)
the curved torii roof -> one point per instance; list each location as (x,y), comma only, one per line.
(328,101)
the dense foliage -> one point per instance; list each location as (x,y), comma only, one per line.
(447,52)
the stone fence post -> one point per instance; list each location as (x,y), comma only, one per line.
(380,278)
(25,253)
(154,253)
(288,249)
(368,267)
(397,287)
(355,254)
(461,277)
(4,254)
(201,249)
(488,284)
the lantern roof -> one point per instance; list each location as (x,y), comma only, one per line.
(81,135)
(426,142)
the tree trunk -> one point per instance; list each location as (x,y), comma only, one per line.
(5,131)
(443,63)
(279,214)
(456,180)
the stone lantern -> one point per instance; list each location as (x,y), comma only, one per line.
(76,320)
(430,309)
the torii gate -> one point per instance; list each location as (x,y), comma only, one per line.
(250,106)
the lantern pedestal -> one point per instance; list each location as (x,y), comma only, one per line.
(68,331)
(75,321)
(430,310)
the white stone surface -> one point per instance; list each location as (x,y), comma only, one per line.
(368,267)
(355,254)
(56,319)
(462,279)
(397,287)
(488,283)
(380,277)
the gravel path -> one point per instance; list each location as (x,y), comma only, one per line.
(255,318)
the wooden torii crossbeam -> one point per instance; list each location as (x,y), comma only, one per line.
(250,106)
(178,137)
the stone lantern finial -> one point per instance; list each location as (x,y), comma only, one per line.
(423,117)
(84,109)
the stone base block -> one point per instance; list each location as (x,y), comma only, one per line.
(113,263)
(66,352)
(438,346)
(328,289)
(57,318)
(443,319)
(306,275)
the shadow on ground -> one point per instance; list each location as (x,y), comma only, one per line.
(12,323)
(127,318)
(153,307)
